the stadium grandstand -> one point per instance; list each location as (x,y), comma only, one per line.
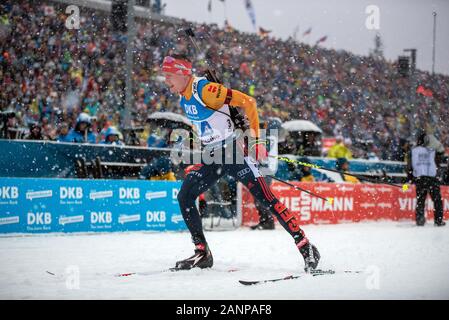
(49,74)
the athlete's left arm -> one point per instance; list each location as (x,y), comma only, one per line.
(215,95)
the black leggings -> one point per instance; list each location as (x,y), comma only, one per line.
(430,185)
(203,176)
(264,214)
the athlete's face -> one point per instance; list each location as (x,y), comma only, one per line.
(177,83)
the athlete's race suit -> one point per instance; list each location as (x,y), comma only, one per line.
(215,128)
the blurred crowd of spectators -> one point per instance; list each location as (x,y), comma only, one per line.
(50,74)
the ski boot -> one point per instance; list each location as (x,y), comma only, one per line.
(310,254)
(264,225)
(439,223)
(201,259)
(420,221)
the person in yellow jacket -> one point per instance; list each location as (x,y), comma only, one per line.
(342,164)
(340,149)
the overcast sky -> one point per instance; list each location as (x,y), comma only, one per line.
(402,23)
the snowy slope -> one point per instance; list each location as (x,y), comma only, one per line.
(398,260)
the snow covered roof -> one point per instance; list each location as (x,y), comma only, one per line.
(301,125)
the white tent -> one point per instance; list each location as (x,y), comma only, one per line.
(170,116)
(301,125)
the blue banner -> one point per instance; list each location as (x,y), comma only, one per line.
(74,205)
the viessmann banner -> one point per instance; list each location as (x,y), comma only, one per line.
(351,203)
(75,205)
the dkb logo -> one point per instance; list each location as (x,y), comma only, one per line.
(129,193)
(101,217)
(71,192)
(155,216)
(9,192)
(38,218)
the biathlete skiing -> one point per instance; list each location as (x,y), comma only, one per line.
(208,106)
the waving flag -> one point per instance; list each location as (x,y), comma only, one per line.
(251,12)
(425,92)
(308,31)
(322,39)
(263,33)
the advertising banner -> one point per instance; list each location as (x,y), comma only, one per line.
(76,205)
(351,202)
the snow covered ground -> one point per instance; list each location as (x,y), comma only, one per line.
(398,260)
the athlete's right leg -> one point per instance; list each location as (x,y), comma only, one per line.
(197,181)
(201,178)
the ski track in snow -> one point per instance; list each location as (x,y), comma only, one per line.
(398,260)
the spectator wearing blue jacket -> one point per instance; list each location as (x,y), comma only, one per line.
(81,132)
(111,136)
(63,132)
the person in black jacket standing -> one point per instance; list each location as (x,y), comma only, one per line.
(424,168)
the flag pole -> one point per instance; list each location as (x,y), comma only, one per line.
(434,38)
(225,13)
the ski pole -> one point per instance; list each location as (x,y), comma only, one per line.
(314,166)
(330,200)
